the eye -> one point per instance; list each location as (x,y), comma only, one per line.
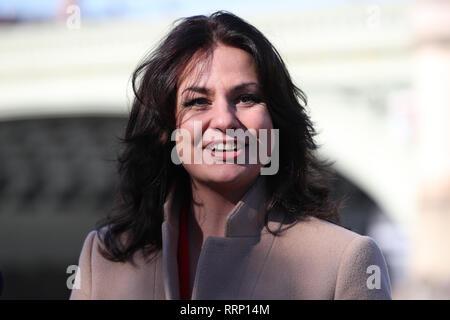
(249,99)
(200,102)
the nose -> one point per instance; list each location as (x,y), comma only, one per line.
(223,116)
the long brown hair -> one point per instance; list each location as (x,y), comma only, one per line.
(302,186)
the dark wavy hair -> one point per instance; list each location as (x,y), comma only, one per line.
(302,187)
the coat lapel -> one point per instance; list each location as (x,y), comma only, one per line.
(170,262)
(226,270)
(226,267)
(170,246)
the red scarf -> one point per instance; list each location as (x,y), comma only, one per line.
(183,256)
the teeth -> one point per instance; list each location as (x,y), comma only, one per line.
(220,146)
(229,146)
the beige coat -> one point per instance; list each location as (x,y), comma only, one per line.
(313,259)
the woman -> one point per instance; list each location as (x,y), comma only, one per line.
(214,227)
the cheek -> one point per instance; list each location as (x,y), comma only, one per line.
(261,121)
(183,140)
(189,140)
(257,119)
(192,127)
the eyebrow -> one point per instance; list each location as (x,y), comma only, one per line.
(205,90)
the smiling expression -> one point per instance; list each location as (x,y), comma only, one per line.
(217,94)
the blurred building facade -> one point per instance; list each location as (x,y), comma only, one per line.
(376,77)
(431,34)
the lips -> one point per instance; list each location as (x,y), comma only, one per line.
(225,145)
(224,155)
(225,149)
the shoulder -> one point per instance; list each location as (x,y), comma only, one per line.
(316,240)
(83,279)
(92,245)
(97,276)
(318,234)
(94,248)
(355,261)
(362,271)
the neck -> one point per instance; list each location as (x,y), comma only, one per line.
(211,206)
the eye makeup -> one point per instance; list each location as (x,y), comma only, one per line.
(246,94)
(195,102)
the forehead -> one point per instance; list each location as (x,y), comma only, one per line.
(223,65)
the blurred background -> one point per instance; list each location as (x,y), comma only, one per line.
(377,77)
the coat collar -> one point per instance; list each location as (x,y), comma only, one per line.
(245,220)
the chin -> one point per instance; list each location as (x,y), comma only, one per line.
(231,174)
(225,174)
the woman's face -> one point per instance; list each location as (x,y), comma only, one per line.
(216,95)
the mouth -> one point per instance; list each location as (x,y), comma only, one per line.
(226,150)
